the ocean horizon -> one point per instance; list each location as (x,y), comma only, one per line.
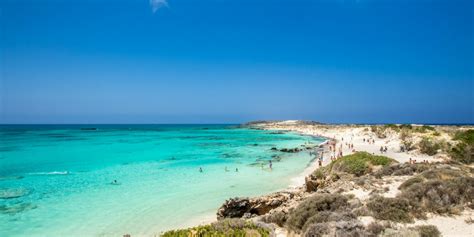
(110,180)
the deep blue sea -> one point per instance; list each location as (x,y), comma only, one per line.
(71,180)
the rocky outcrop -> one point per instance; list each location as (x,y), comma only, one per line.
(250,207)
(311,184)
(290,150)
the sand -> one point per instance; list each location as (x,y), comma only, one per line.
(355,135)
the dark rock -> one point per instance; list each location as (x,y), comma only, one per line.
(250,207)
(311,184)
(290,150)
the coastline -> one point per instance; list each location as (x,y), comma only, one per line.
(347,139)
(296,183)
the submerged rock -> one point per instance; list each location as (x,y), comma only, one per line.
(249,207)
(2,178)
(13,193)
(16,208)
(290,150)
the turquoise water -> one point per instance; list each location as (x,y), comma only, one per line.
(57,180)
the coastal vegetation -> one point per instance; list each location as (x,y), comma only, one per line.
(360,163)
(316,209)
(223,228)
(463,151)
(392,209)
(428,146)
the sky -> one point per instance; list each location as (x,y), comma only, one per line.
(232,61)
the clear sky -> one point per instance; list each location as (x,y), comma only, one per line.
(230,61)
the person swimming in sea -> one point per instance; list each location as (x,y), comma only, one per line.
(200,169)
(114,182)
(236,169)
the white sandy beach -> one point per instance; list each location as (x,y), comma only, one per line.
(447,225)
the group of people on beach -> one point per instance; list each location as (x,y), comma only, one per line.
(369,140)
(413,161)
(383,149)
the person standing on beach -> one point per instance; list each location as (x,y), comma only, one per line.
(270,164)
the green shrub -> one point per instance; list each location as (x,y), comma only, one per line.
(320,173)
(463,153)
(359,163)
(392,126)
(427,146)
(428,231)
(465,136)
(405,126)
(464,150)
(313,206)
(393,209)
(227,227)
(424,129)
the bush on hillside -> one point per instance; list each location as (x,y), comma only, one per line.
(328,216)
(313,206)
(423,129)
(278,218)
(360,163)
(429,147)
(447,196)
(405,126)
(392,209)
(410,182)
(464,150)
(402,169)
(375,229)
(428,231)
(317,230)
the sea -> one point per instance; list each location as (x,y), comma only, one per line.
(111,180)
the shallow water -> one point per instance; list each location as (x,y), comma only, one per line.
(58,180)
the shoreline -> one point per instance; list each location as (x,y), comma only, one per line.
(346,140)
(296,184)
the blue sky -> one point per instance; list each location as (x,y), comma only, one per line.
(230,61)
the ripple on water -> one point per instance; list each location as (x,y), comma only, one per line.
(9,193)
